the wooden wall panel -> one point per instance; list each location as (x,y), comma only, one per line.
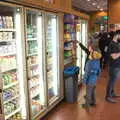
(64,6)
(114,11)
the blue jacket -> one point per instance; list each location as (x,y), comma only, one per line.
(92,70)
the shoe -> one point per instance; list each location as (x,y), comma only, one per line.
(85,106)
(93,104)
(109,99)
(115,95)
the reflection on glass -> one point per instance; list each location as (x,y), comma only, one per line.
(52,61)
(11,64)
(34,61)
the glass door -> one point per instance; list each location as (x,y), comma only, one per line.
(79,50)
(34,50)
(11,63)
(84,42)
(52,50)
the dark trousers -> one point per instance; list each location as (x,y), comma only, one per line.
(113,75)
(90,94)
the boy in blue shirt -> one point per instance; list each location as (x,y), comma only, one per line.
(92,70)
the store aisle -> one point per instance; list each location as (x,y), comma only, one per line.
(103,110)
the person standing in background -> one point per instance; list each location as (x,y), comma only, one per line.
(114,67)
(104,42)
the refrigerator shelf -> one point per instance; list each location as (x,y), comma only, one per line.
(49,73)
(68,49)
(31,39)
(7,30)
(30,77)
(32,54)
(33,65)
(10,85)
(11,114)
(6,101)
(10,69)
(8,54)
(9,40)
(53,99)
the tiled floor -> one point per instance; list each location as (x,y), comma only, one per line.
(103,110)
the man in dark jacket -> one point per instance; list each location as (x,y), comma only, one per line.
(104,42)
(114,67)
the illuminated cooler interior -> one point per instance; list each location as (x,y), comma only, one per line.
(35,61)
(11,64)
(52,57)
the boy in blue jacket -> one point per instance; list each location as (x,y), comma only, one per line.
(92,70)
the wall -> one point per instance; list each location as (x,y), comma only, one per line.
(63,6)
(114,11)
(93,17)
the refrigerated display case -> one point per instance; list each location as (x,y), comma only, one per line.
(84,42)
(81,35)
(34,51)
(79,50)
(52,58)
(13,99)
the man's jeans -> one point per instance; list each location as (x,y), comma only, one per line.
(114,73)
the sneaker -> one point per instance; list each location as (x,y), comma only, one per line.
(93,104)
(115,95)
(109,99)
(85,106)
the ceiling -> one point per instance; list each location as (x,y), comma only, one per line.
(89,6)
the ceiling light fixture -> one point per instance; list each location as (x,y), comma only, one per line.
(101,9)
(98,7)
(94,4)
(88,0)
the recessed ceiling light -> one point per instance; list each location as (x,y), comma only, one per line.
(98,7)
(94,4)
(88,0)
(101,9)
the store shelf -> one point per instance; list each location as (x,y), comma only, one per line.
(32,54)
(68,49)
(10,85)
(67,41)
(10,69)
(31,39)
(72,23)
(9,40)
(8,54)
(68,60)
(7,30)
(12,113)
(6,101)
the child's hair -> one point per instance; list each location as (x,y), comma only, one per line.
(94,43)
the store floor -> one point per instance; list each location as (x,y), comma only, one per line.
(103,110)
